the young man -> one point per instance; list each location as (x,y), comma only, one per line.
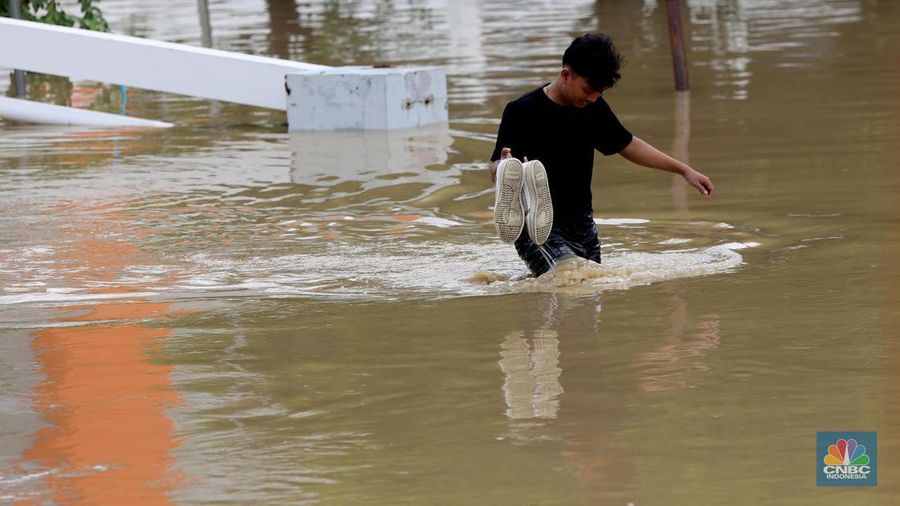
(558,126)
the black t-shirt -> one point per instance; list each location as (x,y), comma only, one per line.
(563,139)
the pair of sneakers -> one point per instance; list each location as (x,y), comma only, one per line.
(522,198)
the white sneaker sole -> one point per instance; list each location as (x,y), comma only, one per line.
(539,219)
(509,215)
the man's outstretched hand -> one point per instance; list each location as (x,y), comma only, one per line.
(699,181)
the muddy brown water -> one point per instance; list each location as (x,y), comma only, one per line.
(225,313)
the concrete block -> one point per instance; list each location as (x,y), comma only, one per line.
(358,98)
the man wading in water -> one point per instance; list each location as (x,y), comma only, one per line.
(558,126)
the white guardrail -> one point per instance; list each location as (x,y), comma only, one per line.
(322,97)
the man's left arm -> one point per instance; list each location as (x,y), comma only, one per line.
(642,153)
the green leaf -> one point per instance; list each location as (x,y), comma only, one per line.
(51,12)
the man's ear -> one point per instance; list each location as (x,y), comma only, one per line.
(565,74)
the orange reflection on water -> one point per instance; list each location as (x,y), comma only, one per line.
(105,393)
(110,441)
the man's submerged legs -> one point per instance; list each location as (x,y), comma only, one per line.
(564,241)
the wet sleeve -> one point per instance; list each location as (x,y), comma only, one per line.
(508,135)
(611,137)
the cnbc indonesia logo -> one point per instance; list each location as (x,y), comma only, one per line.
(846,459)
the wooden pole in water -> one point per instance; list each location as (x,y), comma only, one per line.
(676,41)
(15,12)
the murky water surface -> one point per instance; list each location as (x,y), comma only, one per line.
(223,313)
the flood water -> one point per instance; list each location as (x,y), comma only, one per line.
(225,313)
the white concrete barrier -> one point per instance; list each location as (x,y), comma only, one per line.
(354,98)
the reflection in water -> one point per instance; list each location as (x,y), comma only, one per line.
(375,158)
(583,424)
(284,26)
(110,439)
(531,374)
(664,367)
(681,141)
(727,36)
(734,31)
(469,61)
(104,396)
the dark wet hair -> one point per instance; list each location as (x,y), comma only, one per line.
(594,57)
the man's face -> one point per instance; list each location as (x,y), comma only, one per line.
(576,90)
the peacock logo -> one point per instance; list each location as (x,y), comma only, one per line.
(846,452)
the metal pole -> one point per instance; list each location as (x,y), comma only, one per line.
(215,107)
(15,12)
(205,26)
(676,41)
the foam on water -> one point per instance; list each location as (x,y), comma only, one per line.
(73,296)
(437,222)
(392,268)
(628,269)
(620,221)
(447,269)
(675,240)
